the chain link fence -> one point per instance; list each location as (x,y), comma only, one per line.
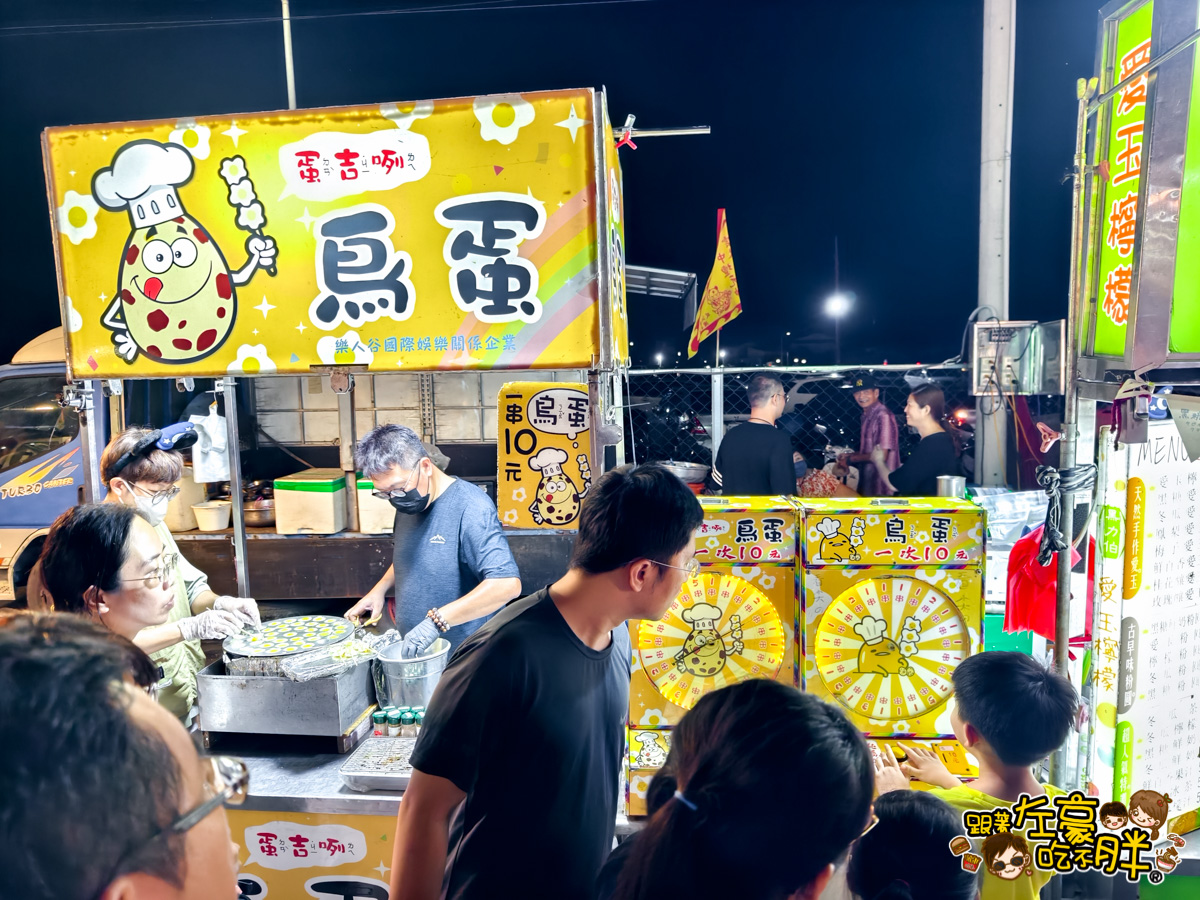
(670,413)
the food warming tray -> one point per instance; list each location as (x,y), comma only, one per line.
(379,764)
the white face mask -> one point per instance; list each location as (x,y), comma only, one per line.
(155,510)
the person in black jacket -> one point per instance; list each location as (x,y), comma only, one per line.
(755,459)
(937,454)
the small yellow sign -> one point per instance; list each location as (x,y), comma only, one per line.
(471,233)
(543,469)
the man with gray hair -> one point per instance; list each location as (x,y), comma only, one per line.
(451,564)
(756,457)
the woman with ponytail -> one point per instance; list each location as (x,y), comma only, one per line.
(936,454)
(907,855)
(771,787)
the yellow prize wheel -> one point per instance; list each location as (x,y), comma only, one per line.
(720,629)
(887,647)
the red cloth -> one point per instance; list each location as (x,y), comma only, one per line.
(1033,588)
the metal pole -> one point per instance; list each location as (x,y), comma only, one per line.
(718,410)
(289,69)
(235,486)
(837,340)
(999,22)
(595,418)
(91,427)
(347,438)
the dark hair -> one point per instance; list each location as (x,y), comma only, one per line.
(929,394)
(762,387)
(767,752)
(155,466)
(634,512)
(86,547)
(907,855)
(84,786)
(995,844)
(1113,808)
(1153,804)
(1021,708)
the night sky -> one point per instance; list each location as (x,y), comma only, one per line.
(852,119)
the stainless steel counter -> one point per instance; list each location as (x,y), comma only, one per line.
(306,782)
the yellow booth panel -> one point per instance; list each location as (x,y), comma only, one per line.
(746,530)
(941,531)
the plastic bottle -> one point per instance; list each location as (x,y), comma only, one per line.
(379,723)
(393,723)
(408,725)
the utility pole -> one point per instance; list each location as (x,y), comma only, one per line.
(999,22)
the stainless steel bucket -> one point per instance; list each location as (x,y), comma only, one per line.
(409,682)
(951,486)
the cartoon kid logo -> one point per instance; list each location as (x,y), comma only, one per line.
(1148,809)
(704,649)
(1113,816)
(557,498)
(879,654)
(1006,855)
(652,754)
(175,298)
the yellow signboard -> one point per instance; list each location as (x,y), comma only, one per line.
(448,234)
(543,469)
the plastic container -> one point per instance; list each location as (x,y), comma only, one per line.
(179,515)
(311,502)
(393,723)
(375,516)
(212,515)
(408,725)
(379,723)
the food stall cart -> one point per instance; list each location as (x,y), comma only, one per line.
(470,234)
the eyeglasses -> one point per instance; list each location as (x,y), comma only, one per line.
(227,777)
(166,565)
(400,493)
(691,568)
(169,494)
(1017,862)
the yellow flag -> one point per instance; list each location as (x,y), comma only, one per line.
(721,301)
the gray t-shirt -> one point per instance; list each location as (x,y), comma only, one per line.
(444,552)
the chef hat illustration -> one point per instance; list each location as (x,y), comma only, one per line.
(548,461)
(143,178)
(829,527)
(702,615)
(871,629)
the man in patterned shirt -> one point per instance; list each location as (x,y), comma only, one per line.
(878,430)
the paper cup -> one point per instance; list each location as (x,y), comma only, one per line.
(212,515)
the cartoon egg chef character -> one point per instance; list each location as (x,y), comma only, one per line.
(835,546)
(652,755)
(704,649)
(175,299)
(879,654)
(557,498)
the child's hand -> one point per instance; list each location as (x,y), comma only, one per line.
(888,776)
(925,765)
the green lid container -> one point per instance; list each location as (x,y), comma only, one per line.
(322,481)
(379,717)
(421,717)
(407,719)
(393,717)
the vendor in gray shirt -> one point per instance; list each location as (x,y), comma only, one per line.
(451,564)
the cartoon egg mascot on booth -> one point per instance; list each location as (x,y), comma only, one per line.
(704,650)
(175,300)
(652,755)
(557,498)
(879,654)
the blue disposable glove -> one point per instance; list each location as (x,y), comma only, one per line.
(418,639)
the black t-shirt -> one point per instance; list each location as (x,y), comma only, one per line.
(530,722)
(755,460)
(932,457)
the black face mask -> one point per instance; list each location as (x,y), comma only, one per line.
(412,502)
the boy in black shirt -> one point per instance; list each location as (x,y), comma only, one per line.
(523,739)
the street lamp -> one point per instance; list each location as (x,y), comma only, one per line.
(835,307)
(722,355)
(658,358)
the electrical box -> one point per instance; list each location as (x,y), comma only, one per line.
(1018,358)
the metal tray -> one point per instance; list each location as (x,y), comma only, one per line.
(285,637)
(379,764)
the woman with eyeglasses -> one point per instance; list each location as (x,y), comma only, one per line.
(769,794)
(161,602)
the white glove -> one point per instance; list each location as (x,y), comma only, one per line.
(243,607)
(210,625)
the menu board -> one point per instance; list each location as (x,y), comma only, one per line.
(1156,691)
